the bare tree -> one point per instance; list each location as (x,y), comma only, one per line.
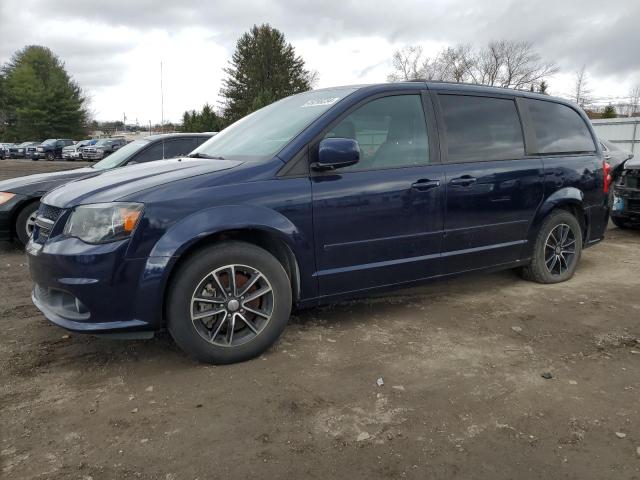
(502,63)
(408,64)
(634,101)
(581,92)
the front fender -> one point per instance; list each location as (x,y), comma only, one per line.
(187,232)
(204,223)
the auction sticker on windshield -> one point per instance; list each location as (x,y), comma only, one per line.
(320,102)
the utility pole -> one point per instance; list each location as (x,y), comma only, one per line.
(161,101)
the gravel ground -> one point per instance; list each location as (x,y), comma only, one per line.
(463,393)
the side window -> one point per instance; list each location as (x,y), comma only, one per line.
(559,128)
(154,152)
(179,147)
(481,128)
(391,131)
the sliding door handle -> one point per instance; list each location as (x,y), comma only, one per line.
(425,184)
(464,181)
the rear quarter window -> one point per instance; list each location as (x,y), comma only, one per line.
(481,128)
(559,129)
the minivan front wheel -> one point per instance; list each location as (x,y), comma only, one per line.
(228,303)
(557,249)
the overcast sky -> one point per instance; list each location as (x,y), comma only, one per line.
(114,48)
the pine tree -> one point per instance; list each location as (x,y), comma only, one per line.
(205,121)
(609,112)
(543,88)
(41,100)
(264,68)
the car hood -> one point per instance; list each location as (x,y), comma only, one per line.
(121,182)
(632,163)
(38,184)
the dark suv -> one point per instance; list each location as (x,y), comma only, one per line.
(50,149)
(102,148)
(20,151)
(319,197)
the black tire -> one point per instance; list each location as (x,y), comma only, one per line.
(188,279)
(538,270)
(21,222)
(620,222)
(50,156)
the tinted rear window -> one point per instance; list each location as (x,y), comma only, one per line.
(559,129)
(481,128)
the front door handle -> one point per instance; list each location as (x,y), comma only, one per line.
(425,184)
(464,181)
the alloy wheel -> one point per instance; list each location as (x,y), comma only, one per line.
(560,249)
(30,224)
(232,305)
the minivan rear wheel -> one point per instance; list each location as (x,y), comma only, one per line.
(228,303)
(557,249)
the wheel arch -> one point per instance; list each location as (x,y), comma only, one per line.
(256,225)
(260,237)
(569,199)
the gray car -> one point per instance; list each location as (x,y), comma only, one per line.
(625,210)
(615,156)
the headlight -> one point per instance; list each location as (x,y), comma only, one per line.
(20,150)
(100,150)
(40,149)
(103,222)
(6,196)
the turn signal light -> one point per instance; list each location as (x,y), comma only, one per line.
(6,196)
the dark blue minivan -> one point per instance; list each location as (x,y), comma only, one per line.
(319,197)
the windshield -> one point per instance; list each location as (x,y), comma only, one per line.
(49,142)
(265,132)
(102,142)
(120,155)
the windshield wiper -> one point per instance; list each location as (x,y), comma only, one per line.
(204,155)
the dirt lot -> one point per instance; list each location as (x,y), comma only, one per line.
(463,396)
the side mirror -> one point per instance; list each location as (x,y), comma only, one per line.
(336,153)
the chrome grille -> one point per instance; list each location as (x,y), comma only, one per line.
(45,220)
(49,212)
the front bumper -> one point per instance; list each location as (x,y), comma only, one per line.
(93,288)
(626,204)
(93,155)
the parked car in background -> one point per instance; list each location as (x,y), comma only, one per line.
(20,197)
(4,149)
(102,148)
(20,151)
(321,196)
(625,212)
(74,152)
(50,149)
(615,157)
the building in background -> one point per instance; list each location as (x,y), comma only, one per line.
(624,132)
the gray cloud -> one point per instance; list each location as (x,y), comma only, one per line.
(603,37)
(572,32)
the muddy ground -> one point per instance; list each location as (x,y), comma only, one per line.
(463,396)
